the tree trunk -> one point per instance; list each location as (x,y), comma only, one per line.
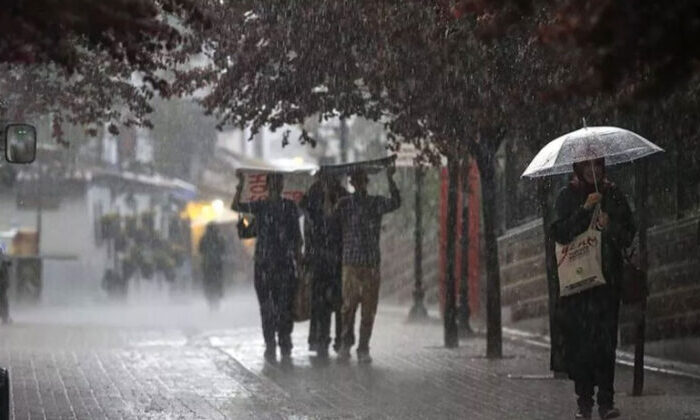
(494,345)
(464,310)
(450,319)
(418,311)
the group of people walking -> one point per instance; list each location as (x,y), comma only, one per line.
(340,248)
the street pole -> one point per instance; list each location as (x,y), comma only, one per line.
(464,311)
(39,207)
(641,182)
(451,331)
(418,311)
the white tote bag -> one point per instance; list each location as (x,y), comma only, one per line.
(580,264)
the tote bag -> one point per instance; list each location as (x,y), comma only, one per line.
(580,262)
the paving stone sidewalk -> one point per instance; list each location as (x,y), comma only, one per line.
(214,369)
(414,377)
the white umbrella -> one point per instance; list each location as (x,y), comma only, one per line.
(616,145)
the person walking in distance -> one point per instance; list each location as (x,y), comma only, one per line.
(360,216)
(277,257)
(211,248)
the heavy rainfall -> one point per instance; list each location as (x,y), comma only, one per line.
(478,209)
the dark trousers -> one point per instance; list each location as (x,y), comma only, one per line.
(275,285)
(213,284)
(602,376)
(326,300)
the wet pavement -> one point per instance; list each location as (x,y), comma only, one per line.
(176,360)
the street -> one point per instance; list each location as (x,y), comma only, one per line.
(178,361)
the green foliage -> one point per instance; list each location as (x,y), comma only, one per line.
(76,58)
(131,226)
(148,221)
(110,225)
(129,267)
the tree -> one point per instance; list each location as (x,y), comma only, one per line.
(181,134)
(440,77)
(406,63)
(92,62)
(643,48)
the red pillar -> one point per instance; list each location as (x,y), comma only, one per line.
(474,245)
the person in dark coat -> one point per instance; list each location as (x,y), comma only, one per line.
(589,319)
(211,248)
(323,253)
(277,258)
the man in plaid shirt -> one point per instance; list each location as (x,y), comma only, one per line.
(360,215)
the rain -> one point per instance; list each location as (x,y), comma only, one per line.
(224,209)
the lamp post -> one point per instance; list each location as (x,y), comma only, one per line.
(418,311)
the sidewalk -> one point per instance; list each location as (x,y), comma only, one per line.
(179,361)
(414,377)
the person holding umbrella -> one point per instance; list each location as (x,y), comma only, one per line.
(590,317)
(592,217)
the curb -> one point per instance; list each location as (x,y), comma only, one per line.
(624,358)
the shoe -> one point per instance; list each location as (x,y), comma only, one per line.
(344,355)
(286,352)
(322,352)
(582,414)
(270,355)
(609,413)
(364,358)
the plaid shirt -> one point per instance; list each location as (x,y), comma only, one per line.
(361,220)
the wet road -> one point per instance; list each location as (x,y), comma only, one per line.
(177,360)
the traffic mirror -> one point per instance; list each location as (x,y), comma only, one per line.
(20,143)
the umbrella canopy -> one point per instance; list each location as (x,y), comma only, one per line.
(616,145)
(370,166)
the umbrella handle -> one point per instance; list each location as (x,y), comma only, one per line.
(595,180)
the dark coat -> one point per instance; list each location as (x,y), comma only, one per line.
(324,246)
(324,236)
(589,319)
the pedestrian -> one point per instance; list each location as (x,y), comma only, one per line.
(323,254)
(589,319)
(360,215)
(277,258)
(211,249)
